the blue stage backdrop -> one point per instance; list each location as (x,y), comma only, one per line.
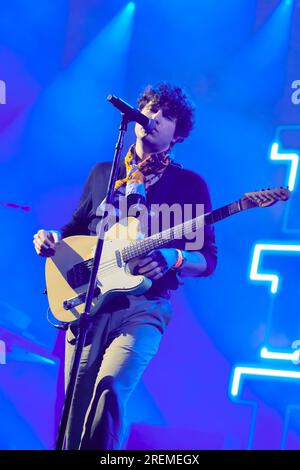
(227,374)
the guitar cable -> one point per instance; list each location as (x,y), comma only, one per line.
(59,326)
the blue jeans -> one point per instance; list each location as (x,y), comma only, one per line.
(120,344)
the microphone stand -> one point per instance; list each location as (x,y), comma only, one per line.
(84,317)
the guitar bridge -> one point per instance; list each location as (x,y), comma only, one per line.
(80,299)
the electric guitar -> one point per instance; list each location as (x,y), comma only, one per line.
(68,271)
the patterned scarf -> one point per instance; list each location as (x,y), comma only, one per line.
(144,172)
(139,176)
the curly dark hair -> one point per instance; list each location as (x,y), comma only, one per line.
(174,102)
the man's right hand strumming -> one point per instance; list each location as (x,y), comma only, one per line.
(45,242)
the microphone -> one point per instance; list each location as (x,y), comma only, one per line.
(132,114)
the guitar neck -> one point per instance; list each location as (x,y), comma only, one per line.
(158,240)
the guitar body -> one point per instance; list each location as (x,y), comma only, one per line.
(67,272)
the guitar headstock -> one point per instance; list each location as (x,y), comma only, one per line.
(264,198)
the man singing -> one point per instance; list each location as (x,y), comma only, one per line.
(125,334)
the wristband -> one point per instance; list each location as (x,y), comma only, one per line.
(179,261)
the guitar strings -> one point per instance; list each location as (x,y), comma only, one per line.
(109,264)
(106,266)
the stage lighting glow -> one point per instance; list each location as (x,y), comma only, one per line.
(130,7)
(257,372)
(284,356)
(260,248)
(77,96)
(278,155)
(40,358)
